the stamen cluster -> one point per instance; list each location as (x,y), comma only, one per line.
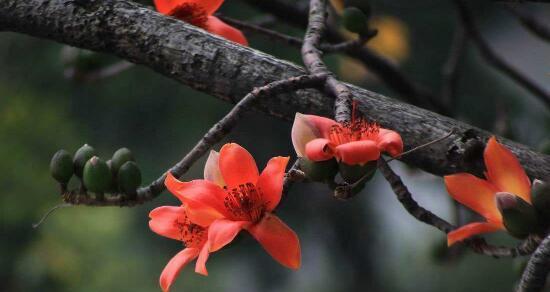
(245,202)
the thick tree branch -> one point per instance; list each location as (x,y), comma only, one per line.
(212,65)
(531,23)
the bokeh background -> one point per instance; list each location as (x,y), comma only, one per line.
(368,243)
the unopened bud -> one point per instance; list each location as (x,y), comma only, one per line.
(120,157)
(353,173)
(540,196)
(518,216)
(319,170)
(61,166)
(82,155)
(355,20)
(97,175)
(129,177)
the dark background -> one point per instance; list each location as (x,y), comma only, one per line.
(366,244)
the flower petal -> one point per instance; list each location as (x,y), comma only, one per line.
(471,229)
(163,221)
(204,199)
(505,171)
(218,27)
(222,231)
(278,240)
(212,169)
(305,128)
(357,152)
(475,193)
(319,149)
(200,265)
(271,181)
(174,266)
(208,6)
(237,166)
(390,141)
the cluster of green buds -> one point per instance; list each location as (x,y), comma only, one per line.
(521,218)
(355,176)
(120,174)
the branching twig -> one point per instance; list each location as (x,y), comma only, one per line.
(213,136)
(311,55)
(421,214)
(531,23)
(535,274)
(100,74)
(492,58)
(53,209)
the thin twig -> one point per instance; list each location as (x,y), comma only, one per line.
(53,209)
(213,136)
(535,274)
(100,74)
(492,58)
(311,56)
(450,70)
(452,132)
(531,23)
(478,245)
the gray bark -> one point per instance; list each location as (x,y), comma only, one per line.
(228,71)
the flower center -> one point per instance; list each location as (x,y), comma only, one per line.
(355,130)
(245,202)
(191,13)
(192,235)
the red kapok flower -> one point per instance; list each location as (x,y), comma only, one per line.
(173,222)
(354,142)
(504,174)
(200,13)
(235,196)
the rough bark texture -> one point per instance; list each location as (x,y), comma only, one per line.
(228,71)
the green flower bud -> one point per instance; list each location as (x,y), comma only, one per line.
(355,20)
(82,156)
(540,196)
(129,177)
(61,166)
(518,216)
(120,157)
(319,170)
(353,173)
(97,175)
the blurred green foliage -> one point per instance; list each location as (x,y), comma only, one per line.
(367,244)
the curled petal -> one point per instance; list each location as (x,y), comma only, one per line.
(207,6)
(474,193)
(218,27)
(200,265)
(271,181)
(163,221)
(278,240)
(237,166)
(212,169)
(319,149)
(357,152)
(471,229)
(221,232)
(390,141)
(505,171)
(174,266)
(204,199)
(306,128)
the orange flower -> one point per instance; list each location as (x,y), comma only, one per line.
(174,223)
(200,13)
(355,142)
(235,196)
(504,174)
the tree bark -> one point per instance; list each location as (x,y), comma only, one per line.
(229,71)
